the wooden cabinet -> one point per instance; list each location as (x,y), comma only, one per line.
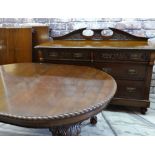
(2,44)
(129,59)
(16,45)
(23,45)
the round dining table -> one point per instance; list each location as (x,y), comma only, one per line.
(55,96)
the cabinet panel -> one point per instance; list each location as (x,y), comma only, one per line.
(23,45)
(2,45)
(15,45)
(10,56)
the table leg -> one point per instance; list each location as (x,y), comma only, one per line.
(93,120)
(68,130)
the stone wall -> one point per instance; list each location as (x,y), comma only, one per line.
(60,26)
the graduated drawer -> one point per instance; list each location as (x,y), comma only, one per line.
(120,55)
(66,54)
(123,70)
(130,89)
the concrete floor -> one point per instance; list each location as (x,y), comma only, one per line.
(115,121)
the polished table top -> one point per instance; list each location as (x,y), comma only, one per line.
(31,91)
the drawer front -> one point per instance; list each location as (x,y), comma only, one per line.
(120,55)
(66,54)
(130,89)
(123,70)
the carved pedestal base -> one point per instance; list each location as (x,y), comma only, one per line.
(70,130)
(93,120)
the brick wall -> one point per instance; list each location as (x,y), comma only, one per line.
(137,26)
(60,26)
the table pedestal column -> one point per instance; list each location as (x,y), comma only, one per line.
(68,130)
(93,120)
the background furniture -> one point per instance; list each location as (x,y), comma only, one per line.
(129,59)
(15,45)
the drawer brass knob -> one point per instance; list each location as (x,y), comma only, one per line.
(107,70)
(53,54)
(41,59)
(77,55)
(106,56)
(132,71)
(135,56)
(130,89)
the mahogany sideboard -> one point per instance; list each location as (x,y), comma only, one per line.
(128,58)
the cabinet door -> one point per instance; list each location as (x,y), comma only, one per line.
(10,52)
(23,45)
(1,31)
(2,45)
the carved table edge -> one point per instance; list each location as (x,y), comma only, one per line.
(61,116)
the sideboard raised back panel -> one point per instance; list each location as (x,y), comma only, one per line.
(128,58)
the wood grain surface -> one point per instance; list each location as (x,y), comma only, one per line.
(94,44)
(51,91)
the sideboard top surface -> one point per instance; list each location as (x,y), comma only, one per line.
(96,44)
